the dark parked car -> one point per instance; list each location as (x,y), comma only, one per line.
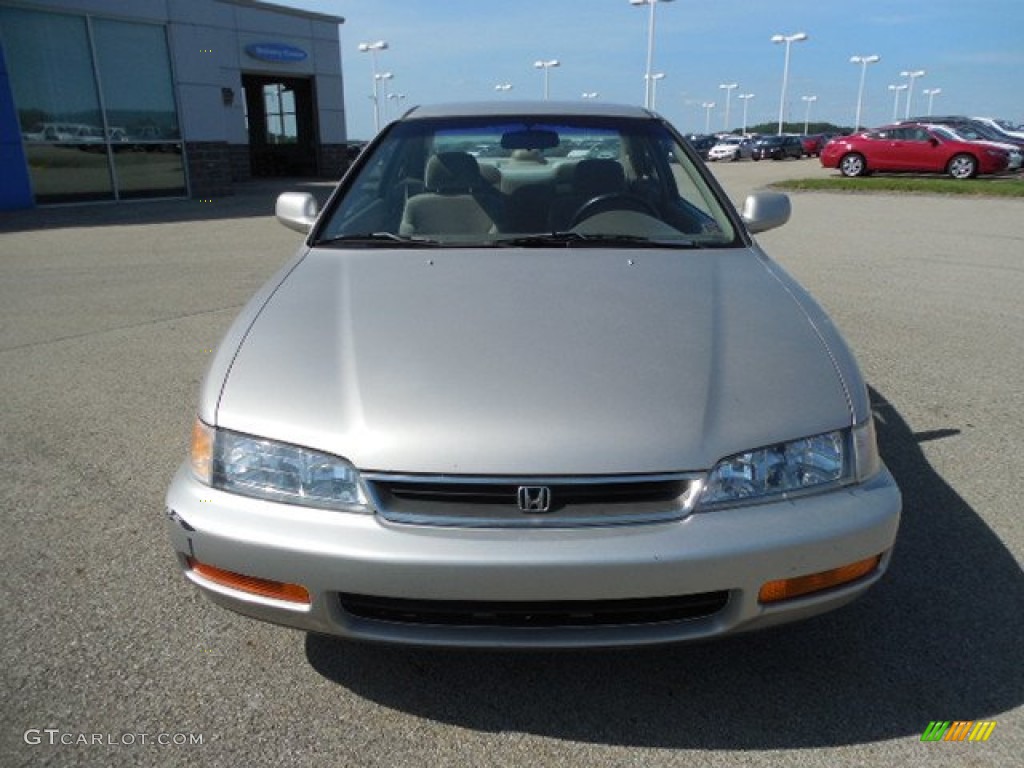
(969,127)
(778,148)
(914,148)
(702,144)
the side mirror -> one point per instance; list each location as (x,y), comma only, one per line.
(765,210)
(296,210)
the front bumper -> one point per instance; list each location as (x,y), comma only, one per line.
(731,550)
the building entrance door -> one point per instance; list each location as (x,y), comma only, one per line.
(279,116)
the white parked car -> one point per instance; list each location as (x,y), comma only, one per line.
(731,148)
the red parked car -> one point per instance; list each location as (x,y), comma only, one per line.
(911,147)
(814,143)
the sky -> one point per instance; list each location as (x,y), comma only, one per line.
(458,50)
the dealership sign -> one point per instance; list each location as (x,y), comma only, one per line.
(275,52)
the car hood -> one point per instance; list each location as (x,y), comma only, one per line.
(533,361)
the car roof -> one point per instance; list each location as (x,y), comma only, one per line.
(518,108)
(938,119)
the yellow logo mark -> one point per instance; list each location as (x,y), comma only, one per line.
(982,730)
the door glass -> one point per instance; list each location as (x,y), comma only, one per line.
(279,106)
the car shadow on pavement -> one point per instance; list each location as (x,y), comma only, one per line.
(937,639)
(250,199)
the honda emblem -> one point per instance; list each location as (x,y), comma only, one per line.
(534,498)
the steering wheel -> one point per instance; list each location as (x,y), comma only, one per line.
(612,201)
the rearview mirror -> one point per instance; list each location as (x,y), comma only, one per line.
(529,138)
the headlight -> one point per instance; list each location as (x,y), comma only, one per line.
(815,463)
(265,469)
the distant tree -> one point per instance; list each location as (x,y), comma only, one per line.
(798,127)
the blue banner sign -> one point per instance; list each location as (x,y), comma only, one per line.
(275,52)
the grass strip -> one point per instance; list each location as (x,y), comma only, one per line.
(996,186)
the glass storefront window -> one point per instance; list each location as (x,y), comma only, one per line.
(50,69)
(84,140)
(138,99)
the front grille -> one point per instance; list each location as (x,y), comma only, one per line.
(476,501)
(559,613)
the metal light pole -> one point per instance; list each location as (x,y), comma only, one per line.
(654,86)
(728,88)
(546,66)
(896,103)
(648,72)
(372,48)
(788,40)
(377,79)
(863,61)
(708,106)
(746,97)
(930,93)
(807,114)
(913,75)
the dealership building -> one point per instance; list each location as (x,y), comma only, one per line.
(106,100)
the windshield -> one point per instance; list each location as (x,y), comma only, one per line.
(575,180)
(945,132)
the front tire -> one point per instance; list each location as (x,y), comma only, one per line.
(962,167)
(853,165)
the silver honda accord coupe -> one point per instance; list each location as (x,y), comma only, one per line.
(529,382)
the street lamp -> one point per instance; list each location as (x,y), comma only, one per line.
(503,87)
(807,114)
(654,86)
(372,49)
(707,105)
(798,37)
(546,66)
(648,81)
(913,75)
(745,97)
(728,88)
(589,95)
(397,98)
(896,103)
(863,61)
(930,93)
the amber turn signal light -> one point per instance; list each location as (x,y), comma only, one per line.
(279,590)
(784,589)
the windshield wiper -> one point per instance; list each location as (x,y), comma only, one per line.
(574,239)
(380,238)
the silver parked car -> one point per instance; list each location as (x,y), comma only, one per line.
(559,403)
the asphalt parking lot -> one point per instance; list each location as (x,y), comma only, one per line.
(107,318)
